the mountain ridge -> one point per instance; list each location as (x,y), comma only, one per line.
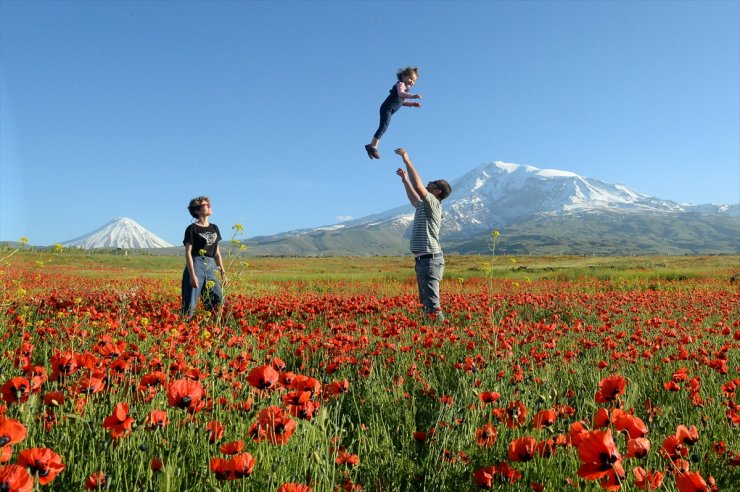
(497,195)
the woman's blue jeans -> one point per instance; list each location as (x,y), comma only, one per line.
(205,270)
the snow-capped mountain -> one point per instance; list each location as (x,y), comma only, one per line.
(120,232)
(497,195)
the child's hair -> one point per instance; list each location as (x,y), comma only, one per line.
(403,72)
(195,204)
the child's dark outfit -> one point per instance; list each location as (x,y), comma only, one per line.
(392,103)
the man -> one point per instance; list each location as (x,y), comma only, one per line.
(430,263)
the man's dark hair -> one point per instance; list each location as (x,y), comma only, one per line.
(444,187)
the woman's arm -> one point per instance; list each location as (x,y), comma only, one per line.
(190,266)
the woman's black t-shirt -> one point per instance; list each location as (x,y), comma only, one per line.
(203,239)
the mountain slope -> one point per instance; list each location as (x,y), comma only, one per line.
(540,211)
(122,233)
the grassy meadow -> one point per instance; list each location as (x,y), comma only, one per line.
(549,373)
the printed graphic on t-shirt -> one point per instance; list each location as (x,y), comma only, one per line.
(210,237)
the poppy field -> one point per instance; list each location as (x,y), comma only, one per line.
(540,378)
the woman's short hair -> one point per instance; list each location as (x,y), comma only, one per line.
(195,204)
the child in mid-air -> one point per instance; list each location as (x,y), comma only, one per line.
(397,98)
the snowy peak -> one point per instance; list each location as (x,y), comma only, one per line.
(120,232)
(499,193)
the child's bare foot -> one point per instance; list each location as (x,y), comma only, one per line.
(372,152)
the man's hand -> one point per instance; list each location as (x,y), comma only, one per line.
(402,172)
(400,151)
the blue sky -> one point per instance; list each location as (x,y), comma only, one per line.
(131,108)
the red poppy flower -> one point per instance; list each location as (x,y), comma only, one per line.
(673,448)
(420,436)
(577,432)
(277,363)
(633,426)
(671,386)
(220,468)
(485,436)
(54,399)
(90,384)
(294,487)
(157,464)
(215,430)
(602,419)
(545,448)
(296,397)
(11,431)
(156,419)
(119,423)
(15,478)
(647,480)
(16,390)
(42,461)
(241,465)
(186,394)
(286,378)
(598,455)
(338,387)
(62,365)
(522,449)
(484,477)
(720,448)
(638,448)
(36,377)
(345,458)
(232,447)
(610,388)
(544,418)
(691,482)
(263,377)
(272,424)
(305,411)
(508,474)
(305,383)
(6,452)
(613,478)
(488,397)
(687,436)
(156,378)
(514,415)
(96,481)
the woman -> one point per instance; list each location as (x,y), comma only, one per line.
(202,259)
